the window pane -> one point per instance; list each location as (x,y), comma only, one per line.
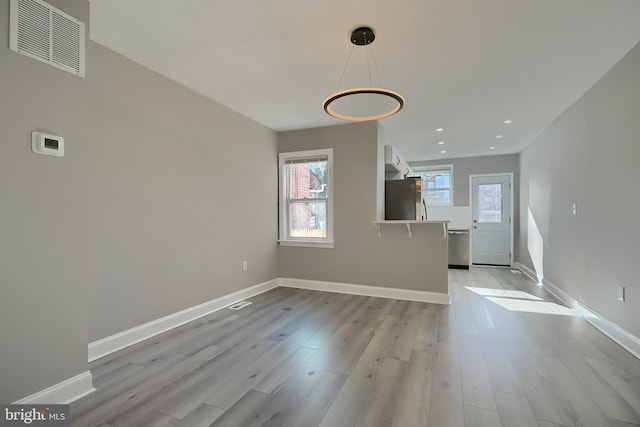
(436,187)
(308,180)
(437,197)
(490,203)
(308,219)
(428,181)
(435,180)
(442,180)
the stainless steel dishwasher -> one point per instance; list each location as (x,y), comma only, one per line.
(459,249)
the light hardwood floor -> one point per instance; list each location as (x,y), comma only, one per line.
(303,358)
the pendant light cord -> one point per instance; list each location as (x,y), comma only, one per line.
(375,64)
(345,67)
(373,59)
(366,50)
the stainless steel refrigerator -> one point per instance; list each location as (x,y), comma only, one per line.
(403,199)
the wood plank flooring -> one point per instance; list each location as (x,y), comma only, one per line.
(299,358)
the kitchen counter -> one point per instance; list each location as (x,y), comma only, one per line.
(409,224)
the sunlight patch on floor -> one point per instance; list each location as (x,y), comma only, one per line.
(504,293)
(540,307)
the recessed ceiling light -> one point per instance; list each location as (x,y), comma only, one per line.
(493,147)
(443,151)
(441,143)
(506,122)
(439,130)
(498,136)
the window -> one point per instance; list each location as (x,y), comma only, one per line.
(306,198)
(490,203)
(437,184)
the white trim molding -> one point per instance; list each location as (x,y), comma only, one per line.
(625,339)
(113,343)
(628,341)
(370,291)
(550,287)
(511,214)
(64,392)
(284,160)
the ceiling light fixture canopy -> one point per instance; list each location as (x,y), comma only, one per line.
(363,103)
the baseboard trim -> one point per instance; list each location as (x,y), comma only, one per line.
(526,271)
(550,287)
(113,343)
(370,291)
(625,339)
(628,341)
(64,392)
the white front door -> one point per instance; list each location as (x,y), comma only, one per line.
(491,215)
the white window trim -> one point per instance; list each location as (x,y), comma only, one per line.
(282,197)
(417,170)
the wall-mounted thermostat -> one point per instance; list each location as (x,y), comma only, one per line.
(43,143)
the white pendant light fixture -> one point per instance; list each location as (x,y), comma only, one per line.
(363,103)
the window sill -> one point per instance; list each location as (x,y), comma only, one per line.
(305,244)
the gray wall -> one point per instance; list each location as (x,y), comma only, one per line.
(160,197)
(589,156)
(359,256)
(43,221)
(181,191)
(463,167)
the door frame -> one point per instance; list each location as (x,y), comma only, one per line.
(511,213)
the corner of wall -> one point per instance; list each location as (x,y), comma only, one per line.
(381,138)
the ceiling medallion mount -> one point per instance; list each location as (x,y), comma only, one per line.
(362,36)
(363,103)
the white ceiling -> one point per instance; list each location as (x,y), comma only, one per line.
(463,65)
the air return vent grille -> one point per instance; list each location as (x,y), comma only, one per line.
(239,305)
(42,32)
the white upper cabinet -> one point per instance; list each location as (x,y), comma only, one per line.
(395,166)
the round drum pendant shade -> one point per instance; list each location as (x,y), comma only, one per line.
(363,104)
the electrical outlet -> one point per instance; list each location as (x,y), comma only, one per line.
(574,209)
(621,293)
(245,265)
